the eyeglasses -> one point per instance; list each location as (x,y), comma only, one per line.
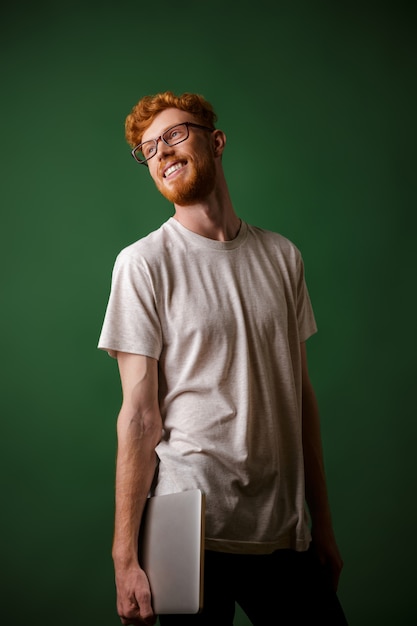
(171,137)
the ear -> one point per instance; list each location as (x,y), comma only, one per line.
(219,142)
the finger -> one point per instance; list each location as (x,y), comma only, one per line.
(146,610)
(138,616)
(130,615)
(126,621)
(132,621)
(147,615)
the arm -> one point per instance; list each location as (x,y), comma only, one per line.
(315,480)
(139,428)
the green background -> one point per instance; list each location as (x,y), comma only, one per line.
(318,102)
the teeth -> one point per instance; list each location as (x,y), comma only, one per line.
(173,168)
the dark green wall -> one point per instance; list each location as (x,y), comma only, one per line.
(318,101)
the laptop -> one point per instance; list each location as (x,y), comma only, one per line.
(171,551)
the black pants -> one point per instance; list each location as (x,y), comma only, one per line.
(282,588)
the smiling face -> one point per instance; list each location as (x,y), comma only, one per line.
(186,173)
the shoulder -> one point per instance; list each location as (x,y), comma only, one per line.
(148,249)
(274,241)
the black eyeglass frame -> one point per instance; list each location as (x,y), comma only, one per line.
(161,138)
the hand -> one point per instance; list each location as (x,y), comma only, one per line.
(325,546)
(134,604)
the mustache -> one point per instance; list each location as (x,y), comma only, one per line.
(163,164)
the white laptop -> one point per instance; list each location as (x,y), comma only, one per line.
(171,551)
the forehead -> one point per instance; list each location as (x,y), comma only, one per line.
(165,119)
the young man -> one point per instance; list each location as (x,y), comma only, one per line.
(208,318)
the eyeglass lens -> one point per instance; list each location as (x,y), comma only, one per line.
(171,137)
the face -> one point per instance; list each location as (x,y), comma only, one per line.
(185,173)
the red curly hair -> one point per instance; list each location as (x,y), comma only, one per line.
(148,107)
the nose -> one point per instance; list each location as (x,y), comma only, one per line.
(162,148)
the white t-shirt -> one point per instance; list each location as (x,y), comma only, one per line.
(225,321)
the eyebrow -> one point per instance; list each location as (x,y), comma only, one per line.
(164,131)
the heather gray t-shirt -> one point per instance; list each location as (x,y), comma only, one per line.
(225,321)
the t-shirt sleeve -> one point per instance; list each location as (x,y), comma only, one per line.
(306,321)
(131,323)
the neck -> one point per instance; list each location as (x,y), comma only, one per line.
(213,217)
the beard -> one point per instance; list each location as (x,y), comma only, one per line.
(198,184)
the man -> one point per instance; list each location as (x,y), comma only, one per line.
(208,318)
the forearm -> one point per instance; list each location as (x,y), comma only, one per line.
(316,489)
(314,471)
(315,480)
(139,429)
(135,468)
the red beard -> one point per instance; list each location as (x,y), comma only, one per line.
(199,182)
